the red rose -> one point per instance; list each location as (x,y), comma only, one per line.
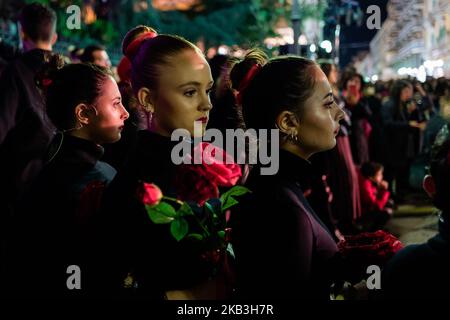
(194,184)
(149,194)
(368,248)
(219,165)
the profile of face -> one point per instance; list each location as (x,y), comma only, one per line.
(107,117)
(406,94)
(319,122)
(182,94)
(101,58)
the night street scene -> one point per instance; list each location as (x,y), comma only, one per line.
(225,158)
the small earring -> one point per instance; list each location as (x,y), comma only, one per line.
(293,136)
(148,119)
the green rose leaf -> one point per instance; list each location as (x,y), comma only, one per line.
(179,228)
(227,198)
(235,191)
(229,202)
(194,236)
(185,210)
(162,213)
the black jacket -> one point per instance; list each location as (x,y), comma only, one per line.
(56,223)
(283,250)
(25,130)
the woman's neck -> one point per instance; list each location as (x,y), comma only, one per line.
(296,150)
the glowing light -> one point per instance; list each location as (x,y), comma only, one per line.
(327,46)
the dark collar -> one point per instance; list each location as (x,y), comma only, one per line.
(70,149)
(294,168)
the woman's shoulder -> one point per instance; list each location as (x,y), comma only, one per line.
(276,195)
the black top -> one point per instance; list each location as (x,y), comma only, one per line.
(55,224)
(283,250)
(137,246)
(401,139)
(420,271)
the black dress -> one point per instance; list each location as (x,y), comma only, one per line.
(56,222)
(136,246)
(283,250)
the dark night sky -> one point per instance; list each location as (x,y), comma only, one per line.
(354,38)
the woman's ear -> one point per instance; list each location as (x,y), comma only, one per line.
(82,114)
(145,97)
(429,185)
(286,122)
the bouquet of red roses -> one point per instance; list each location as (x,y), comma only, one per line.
(199,212)
(365,249)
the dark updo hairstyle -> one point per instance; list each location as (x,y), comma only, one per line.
(440,169)
(132,35)
(151,54)
(282,83)
(65,87)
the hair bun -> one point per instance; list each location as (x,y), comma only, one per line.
(44,78)
(133,48)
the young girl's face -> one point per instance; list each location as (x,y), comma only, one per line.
(182,95)
(106,126)
(378,177)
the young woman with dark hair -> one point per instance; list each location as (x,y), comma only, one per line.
(55,224)
(116,154)
(401,135)
(283,250)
